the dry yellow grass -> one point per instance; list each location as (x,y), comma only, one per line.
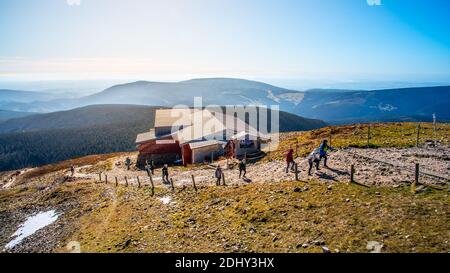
(277,217)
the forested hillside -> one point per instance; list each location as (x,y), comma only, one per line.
(19,150)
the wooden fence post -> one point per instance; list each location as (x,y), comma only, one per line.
(106,179)
(193,182)
(171,183)
(139,182)
(100,177)
(223,179)
(126,181)
(434,127)
(151,182)
(331,131)
(418,135)
(296,172)
(117,182)
(416,178)
(352,174)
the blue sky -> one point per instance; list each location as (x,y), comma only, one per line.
(345,40)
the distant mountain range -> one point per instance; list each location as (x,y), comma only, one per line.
(333,105)
(6,115)
(99,115)
(7,95)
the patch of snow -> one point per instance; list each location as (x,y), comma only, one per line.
(271,96)
(31,225)
(295,98)
(166,200)
(326,103)
(386,107)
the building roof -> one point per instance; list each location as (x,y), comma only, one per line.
(205,125)
(199,125)
(144,137)
(174,117)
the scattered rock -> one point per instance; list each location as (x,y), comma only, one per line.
(299,189)
(326,249)
(318,242)
(421,189)
(127,243)
(191,221)
(374,246)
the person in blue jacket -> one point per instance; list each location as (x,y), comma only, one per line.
(323,152)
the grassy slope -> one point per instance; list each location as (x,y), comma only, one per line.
(269,218)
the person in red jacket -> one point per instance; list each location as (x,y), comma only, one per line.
(290,160)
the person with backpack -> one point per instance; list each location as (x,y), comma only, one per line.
(290,160)
(150,167)
(313,158)
(165,173)
(128,163)
(242,168)
(218,174)
(323,152)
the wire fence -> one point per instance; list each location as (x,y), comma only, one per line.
(424,136)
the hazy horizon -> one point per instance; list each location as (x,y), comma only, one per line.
(87,87)
(361,44)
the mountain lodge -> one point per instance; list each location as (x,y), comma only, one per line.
(195,136)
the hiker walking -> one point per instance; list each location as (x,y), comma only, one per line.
(242,168)
(290,160)
(128,163)
(150,167)
(323,150)
(313,158)
(72,170)
(218,174)
(165,173)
